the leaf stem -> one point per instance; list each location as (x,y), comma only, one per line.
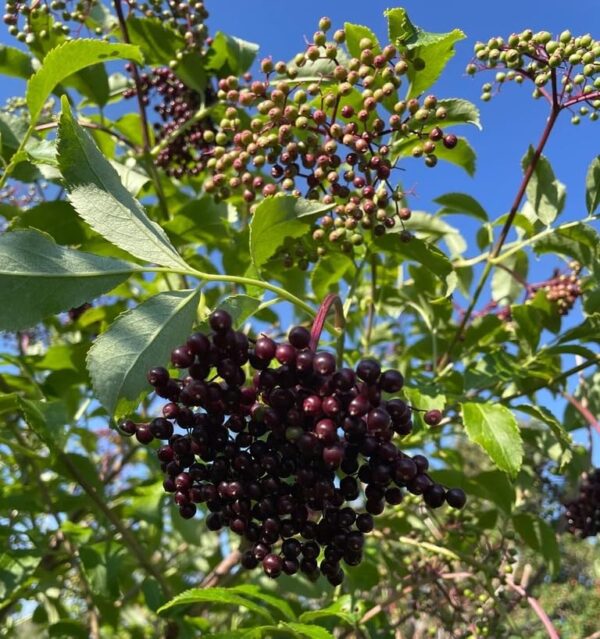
(317,328)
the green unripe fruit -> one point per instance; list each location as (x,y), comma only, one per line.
(365,43)
(471,69)
(542,37)
(325,23)
(339,36)
(575,120)
(486,97)
(319,38)
(552,46)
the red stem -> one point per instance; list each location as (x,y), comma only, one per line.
(317,328)
(539,611)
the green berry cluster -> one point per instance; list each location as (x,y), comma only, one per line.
(565,69)
(20,18)
(326,127)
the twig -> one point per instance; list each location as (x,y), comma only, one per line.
(223,568)
(555,111)
(537,608)
(583,411)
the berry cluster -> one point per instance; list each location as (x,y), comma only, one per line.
(562,289)
(583,513)
(186,18)
(282,460)
(19,15)
(336,139)
(183,151)
(568,65)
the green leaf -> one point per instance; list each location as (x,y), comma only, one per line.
(15,62)
(423,253)
(240,307)
(495,429)
(304,630)
(101,199)
(461,203)
(505,286)
(65,60)
(215,596)
(529,323)
(538,535)
(341,608)
(544,192)
(424,401)
(160,44)
(354,34)
(271,600)
(592,186)
(275,219)
(459,111)
(39,278)
(542,414)
(230,55)
(462,155)
(328,273)
(580,242)
(56,218)
(435,228)
(433,49)
(139,339)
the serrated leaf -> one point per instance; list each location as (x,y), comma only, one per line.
(422,253)
(137,340)
(39,278)
(15,62)
(461,203)
(434,49)
(580,242)
(215,596)
(280,604)
(101,199)
(538,535)
(544,192)
(592,186)
(304,630)
(68,58)
(461,155)
(436,228)
(542,414)
(229,55)
(341,608)
(354,34)
(495,429)
(275,219)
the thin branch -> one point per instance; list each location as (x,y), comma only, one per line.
(222,569)
(537,608)
(583,411)
(503,233)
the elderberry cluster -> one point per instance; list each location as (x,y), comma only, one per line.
(20,17)
(583,513)
(563,289)
(296,460)
(329,126)
(183,151)
(187,18)
(567,64)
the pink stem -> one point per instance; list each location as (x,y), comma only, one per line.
(317,328)
(539,611)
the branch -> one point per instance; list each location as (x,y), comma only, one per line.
(222,569)
(583,411)
(537,608)
(503,234)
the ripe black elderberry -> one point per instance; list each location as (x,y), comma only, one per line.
(583,513)
(281,459)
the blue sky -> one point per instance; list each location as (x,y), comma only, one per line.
(511,121)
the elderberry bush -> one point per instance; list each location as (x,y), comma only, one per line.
(583,513)
(297,460)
